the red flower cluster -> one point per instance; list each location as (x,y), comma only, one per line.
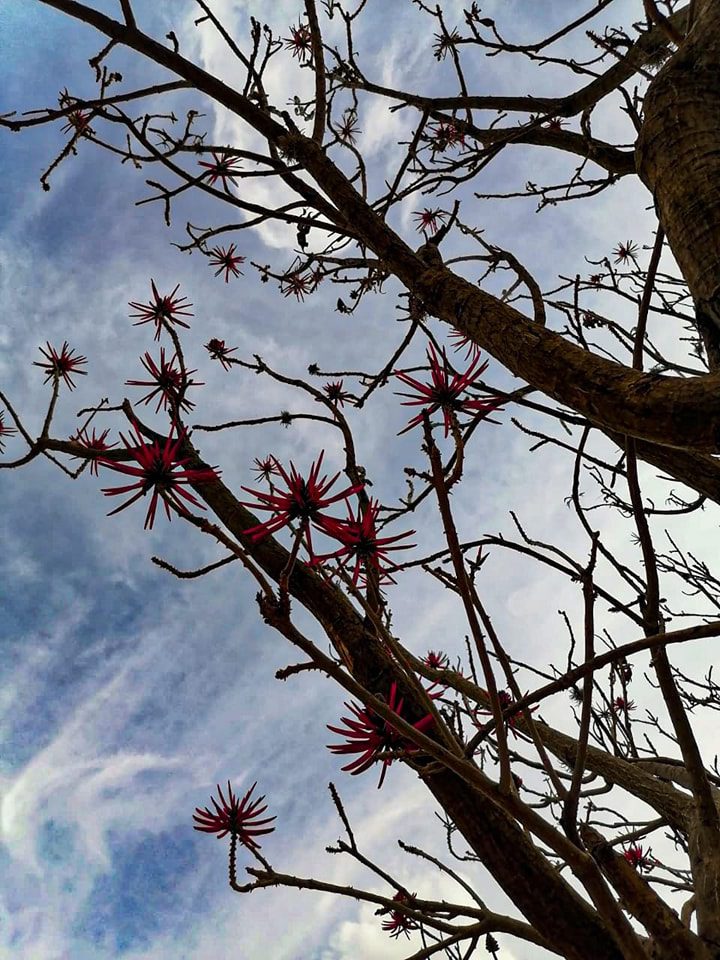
(299,41)
(218,351)
(61,364)
(94,446)
(370,736)
(223,167)
(303,500)
(157,471)
(427,219)
(436,659)
(400,922)
(472,349)
(335,393)
(444,392)
(168,381)
(236,817)
(226,259)
(298,284)
(447,134)
(638,858)
(161,310)
(360,542)
(5,431)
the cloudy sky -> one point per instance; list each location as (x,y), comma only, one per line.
(127,694)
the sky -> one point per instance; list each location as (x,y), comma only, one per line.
(128,694)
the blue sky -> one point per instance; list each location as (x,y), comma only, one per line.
(128,694)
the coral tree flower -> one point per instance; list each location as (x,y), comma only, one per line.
(299,41)
(160,310)
(5,431)
(157,470)
(427,219)
(638,858)
(303,500)
(218,351)
(436,659)
(472,350)
(225,258)
(444,392)
(335,393)
(94,445)
(61,364)
(400,922)
(168,381)
(360,542)
(236,817)
(370,736)
(223,167)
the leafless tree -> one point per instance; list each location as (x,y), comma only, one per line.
(581,874)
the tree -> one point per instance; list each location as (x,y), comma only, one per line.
(577,882)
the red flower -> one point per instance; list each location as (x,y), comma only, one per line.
(400,922)
(224,167)
(427,219)
(298,285)
(5,431)
(360,542)
(555,123)
(303,500)
(167,380)
(77,120)
(620,704)
(335,392)
(93,444)
(299,41)
(625,251)
(157,472)
(444,393)
(162,310)
(370,736)
(265,468)
(473,350)
(347,129)
(237,817)
(639,858)
(218,351)
(227,260)
(436,660)
(447,134)
(61,365)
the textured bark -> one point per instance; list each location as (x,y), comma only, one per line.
(678,158)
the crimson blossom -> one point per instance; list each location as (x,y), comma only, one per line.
(5,431)
(223,167)
(93,445)
(168,381)
(218,351)
(370,736)
(444,393)
(638,858)
(167,309)
(303,500)
(236,817)
(299,41)
(400,922)
(225,258)
(427,219)
(61,364)
(360,542)
(157,471)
